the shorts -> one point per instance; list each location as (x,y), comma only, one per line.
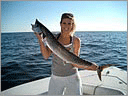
(69,85)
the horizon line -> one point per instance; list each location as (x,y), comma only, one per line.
(59,31)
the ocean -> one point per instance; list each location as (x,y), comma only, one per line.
(22,62)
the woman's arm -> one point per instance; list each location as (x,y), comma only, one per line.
(76,47)
(46,52)
(77,51)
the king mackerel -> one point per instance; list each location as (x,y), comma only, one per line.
(59,50)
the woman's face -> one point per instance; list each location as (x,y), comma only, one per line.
(66,25)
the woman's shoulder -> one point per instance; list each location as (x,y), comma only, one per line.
(76,39)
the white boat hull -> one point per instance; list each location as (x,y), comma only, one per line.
(114,83)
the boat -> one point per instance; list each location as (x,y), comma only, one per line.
(114,82)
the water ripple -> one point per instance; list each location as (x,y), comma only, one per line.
(21,60)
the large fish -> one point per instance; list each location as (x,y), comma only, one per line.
(60,50)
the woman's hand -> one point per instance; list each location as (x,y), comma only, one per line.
(46,52)
(92,67)
(38,36)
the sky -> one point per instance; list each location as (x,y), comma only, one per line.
(17,16)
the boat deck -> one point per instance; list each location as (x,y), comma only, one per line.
(114,82)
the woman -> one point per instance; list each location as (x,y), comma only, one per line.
(65,79)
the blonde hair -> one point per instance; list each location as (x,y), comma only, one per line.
(69,16)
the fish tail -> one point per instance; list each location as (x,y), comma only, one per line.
(99,73)
(100,69)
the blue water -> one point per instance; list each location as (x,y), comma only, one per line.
(21,60)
